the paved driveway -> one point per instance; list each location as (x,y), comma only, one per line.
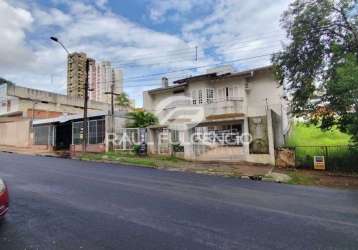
(67,204)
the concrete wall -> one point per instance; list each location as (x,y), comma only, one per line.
(93,148)
(23,99)
(278,132)
(15,133)
(263,93)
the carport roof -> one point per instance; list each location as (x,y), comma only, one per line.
(66,118)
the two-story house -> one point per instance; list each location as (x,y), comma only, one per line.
(219,116)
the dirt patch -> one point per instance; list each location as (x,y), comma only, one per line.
(319,178)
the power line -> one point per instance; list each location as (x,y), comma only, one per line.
(148,76)
(187,60)
(136,61)
(203,66)
(186,52)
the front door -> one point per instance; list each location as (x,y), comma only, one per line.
(163,142)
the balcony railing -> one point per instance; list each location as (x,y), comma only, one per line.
(224,106)
(215,107)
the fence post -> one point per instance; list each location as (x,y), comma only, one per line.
(326,151)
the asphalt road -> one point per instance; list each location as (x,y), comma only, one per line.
(68,204)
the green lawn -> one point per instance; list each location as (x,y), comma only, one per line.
(310,141)
(310,135)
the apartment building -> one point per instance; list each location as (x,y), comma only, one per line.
(77,73)
(102,77)
(219,116)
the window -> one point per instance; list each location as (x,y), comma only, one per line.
(175,137)
(221,93)
(194,97)
(209,96)
(200,96)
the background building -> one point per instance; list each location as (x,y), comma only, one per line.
(103,77)
(76,74)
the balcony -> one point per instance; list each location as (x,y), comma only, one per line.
(186,112)
(224,108)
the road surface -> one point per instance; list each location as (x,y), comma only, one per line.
(69,204)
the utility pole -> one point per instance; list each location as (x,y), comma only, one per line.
(85,109)
(112,93)
(33,114)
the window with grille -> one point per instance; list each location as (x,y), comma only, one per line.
(96,132)
(200,96)
(194,97)
(43,135)
(209,96)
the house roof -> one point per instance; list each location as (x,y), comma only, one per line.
(182,83)
(216,76)
(174,87)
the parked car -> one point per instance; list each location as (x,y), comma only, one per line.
(4,198)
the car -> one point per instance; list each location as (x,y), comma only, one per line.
(4,199)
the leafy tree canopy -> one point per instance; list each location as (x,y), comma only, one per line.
(319,66)
(141,119)
(123,100)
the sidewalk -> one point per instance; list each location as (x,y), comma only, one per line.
(26,151)
(239,170)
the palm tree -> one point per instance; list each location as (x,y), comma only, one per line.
(141,119)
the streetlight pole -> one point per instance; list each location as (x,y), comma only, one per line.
(55,39)
(86,89)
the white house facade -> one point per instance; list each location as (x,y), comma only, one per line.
(226,116)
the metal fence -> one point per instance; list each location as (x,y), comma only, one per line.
(126,138)
(338,158)
(44,135)
(96,132)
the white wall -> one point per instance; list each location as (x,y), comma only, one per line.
(264,93)
(262,87)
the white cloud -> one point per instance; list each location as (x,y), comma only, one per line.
(238,28)
(101,3)
(13,25)
(160,10)
(51,16)
(100,33)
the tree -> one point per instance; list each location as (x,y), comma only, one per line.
(123,100)
(319,65)
(141,119)
(3,80)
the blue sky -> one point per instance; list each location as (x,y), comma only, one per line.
(147,39)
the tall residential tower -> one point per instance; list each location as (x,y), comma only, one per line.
(101,77)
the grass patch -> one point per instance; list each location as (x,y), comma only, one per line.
(133,159)
(298,178)
(310,135)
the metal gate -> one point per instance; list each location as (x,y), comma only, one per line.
(126,138)
(164,142)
